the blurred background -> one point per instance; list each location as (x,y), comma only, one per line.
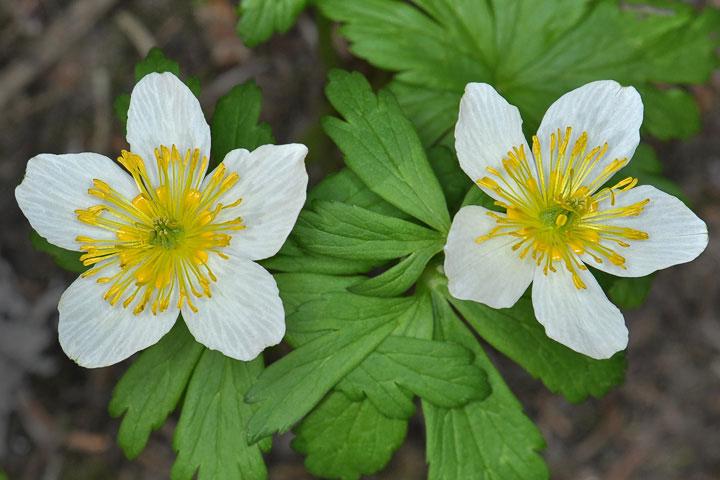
(62,63)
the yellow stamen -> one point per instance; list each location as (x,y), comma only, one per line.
(560,212)
(164,235)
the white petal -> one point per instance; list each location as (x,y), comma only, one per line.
(488,128)
(488,272)
(56,185)
(606,111)
(163,111)
(244,315)
(272,185)
(581,319)
(675,234)
(96,334)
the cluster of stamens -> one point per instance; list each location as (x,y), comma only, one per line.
(163,236)
(557,218)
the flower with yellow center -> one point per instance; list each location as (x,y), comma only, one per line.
(560,213)
(162,238)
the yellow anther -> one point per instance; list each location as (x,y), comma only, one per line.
(561,220)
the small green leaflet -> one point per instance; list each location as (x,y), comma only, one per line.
(439,372)
(152,386)
(515,332)
(489,439)
(209,438)
(382,148)
(352,232)
(294,258)
(438,46)
(344,438)
(155,62)
(344,186)
(235,121)
(400,277)
(628,292)
(260,18)
(65,259)
(293,385)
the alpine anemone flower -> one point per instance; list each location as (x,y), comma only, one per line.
(560,213)
(162,238)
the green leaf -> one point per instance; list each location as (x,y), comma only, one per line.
(260,18)
(122,104)
(152,386)
(235,121)
(455,182)
(353,232)
(515,332)
(400,277)
(630,292)
(293,258)
(210,436)
(438,46)
(156,62)
(293,385)
(489,439)
(475,196)
(383,149)
(673,113)
(65,259)
(439,372)
(297,289)
(346,439)
(346,187)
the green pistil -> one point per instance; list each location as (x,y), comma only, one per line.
(168,233)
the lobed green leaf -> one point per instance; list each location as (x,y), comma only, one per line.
(260,18)
(382,148)
(515,332)
(352,232)
(345,439)
(210,436)
(438,46)
(152,387)
(488,439)
(235,121)
(293,385)
(66,259)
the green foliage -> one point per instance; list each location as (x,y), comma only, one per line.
(152,386)
(400,277)
(489,439)
(293,385)
(515,332)
(260,18)
(382,148)
(630,292)
(438,372)
(344,438)
(438,46)
(209,437)
(65,259)
(235,121)
(352,232)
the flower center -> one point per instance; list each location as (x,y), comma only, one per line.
(554,213)
(164,235)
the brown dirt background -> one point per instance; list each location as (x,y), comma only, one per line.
(62,62)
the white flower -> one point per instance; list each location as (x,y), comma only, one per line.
(165,238)
(559,217)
